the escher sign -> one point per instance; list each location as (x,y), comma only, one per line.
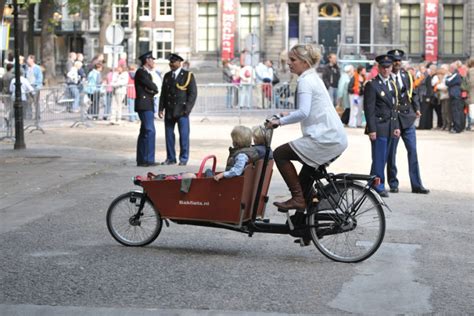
(431,30)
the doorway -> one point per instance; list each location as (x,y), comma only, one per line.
(329,28)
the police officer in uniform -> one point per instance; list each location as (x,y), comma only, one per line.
(178,95)
(380,95)
(408,109)
(145,91)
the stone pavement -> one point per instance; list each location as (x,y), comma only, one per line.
(423,264)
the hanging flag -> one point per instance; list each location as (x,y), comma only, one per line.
(4,36)
(228,29)
(431,30)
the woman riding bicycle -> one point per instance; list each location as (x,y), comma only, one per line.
(324,137)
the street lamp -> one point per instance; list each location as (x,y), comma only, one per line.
(17,105)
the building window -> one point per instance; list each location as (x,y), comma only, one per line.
(144,41)
(453,29)
(249,19)
(365,10)
(121,12)
(94,13)
(410,28)
(293,20)
(145,9)
(164,43)
(165,8)
(207,27)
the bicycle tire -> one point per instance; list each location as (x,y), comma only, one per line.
(354,239)
(129,232)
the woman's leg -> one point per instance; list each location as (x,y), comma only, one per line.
(283,156)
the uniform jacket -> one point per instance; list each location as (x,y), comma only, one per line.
(407,106)
(379,107)
(179,95)
(145,90)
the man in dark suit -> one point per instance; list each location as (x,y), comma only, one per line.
(145,91)
(408,109)
(178,95)
(382,121)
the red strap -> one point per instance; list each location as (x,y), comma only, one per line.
(203,164)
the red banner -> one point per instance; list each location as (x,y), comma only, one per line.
(228,29)
(431,30)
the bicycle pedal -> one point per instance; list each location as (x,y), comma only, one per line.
(282,210)
(302,242)
(264,220)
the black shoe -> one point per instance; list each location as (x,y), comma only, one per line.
(383,193)
(168,162)
(303,242)
(183,163)
(420,190)
(393,190)
(152,164)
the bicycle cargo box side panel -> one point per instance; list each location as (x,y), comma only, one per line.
(207,200)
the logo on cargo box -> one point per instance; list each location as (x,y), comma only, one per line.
(197,203)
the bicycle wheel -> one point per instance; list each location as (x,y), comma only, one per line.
(127,226)
(354,229)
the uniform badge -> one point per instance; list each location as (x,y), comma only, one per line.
(382,93)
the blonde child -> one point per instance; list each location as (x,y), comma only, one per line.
(241,154)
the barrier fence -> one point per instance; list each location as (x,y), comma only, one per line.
(71,104)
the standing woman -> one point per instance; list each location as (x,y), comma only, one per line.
(323,138)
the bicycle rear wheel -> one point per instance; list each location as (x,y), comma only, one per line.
(352,231)
(127,226)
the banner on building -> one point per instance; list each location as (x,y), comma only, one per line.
(228,28)
(431,30)
(4,36)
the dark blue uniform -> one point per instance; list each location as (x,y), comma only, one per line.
(145,90)
(177,99)
(381,117)
(407,106)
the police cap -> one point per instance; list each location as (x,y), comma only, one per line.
(384,60)
(145,56)
(174,57)
(396,54)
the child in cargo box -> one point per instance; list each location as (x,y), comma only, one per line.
(259,142)
(240,155)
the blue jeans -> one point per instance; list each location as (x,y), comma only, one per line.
(333,95)
(183,128)
(409,138)
(146,138)
(74,91)
(132,115)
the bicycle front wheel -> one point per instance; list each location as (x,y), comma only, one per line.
(130,227)
(354,229)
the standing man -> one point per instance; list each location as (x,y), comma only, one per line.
(453,82)
(408,109)
(331,75)
(178,95)
(145,91)
(380,96)
(35,77)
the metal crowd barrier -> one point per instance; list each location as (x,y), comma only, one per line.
(224,98)
(66,103)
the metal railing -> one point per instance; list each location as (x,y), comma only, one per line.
(71,104)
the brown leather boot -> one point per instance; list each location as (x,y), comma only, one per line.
(290,176)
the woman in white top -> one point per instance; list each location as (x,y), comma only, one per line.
(323,138)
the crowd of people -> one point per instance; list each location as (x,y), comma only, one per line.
(445,90)
(244,77)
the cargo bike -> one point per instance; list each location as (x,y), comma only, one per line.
(344,217)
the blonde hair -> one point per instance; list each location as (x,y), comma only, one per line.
(307,53)
(258,135)
(241,136)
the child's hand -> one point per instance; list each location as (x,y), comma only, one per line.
(219,176)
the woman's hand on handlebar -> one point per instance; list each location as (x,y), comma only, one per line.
(272,122)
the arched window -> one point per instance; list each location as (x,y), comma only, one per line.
(329,10)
